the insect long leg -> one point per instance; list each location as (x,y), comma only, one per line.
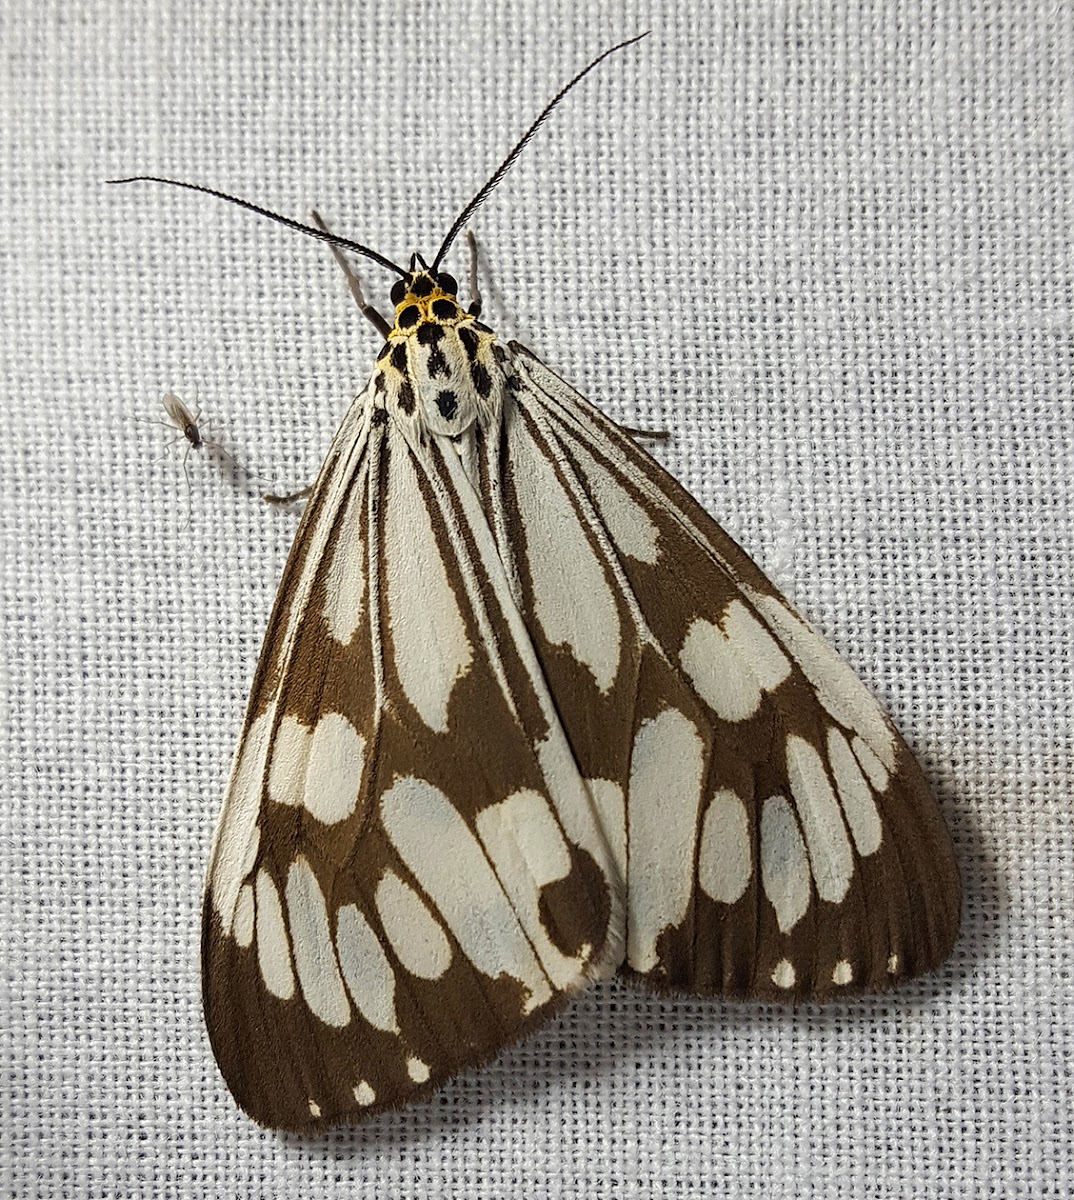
(368,311)
(652,435)
(475,293)
(291,498)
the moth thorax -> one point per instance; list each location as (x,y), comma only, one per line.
(439,367)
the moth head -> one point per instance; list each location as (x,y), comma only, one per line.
(423,294)
(422,282)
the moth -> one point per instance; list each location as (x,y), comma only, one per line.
(526,718)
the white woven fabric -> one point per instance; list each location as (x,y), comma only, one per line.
(828,246)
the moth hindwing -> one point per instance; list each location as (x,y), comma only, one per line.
(526,717)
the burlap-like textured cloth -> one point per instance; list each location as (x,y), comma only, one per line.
(828,246)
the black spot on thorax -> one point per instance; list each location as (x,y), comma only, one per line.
(470,341)
(430,333)
(438,364)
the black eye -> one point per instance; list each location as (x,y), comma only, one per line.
(398,291)
(447,283)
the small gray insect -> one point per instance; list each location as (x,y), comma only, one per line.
(196,433)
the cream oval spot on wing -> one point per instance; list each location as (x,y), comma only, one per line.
(442,853)
(629,526)
(369,975)
(334,774)
(666,771)
(783,974)
(315,1109)
(430,646)
(830,856)
(855,795)
(418,941)
(273,954)
(344,587)
(319,768)
(572,599)
(725,859)
(244,916)
(784,863)
(311,943)
(843,973)
(417,1070)
(364,1094)
(893,964)
(237,829)
(841,692)
(523,840)
(733,664)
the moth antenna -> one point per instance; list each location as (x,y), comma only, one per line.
(320,234)
(507,163)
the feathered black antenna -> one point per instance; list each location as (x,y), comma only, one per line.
(507,163)
(321,234)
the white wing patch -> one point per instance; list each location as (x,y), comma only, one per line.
(344,589)
(528,851)
(591,629)
(273,954)
(431,648)
(822,822)
(725,858)
(447,860)
(320,768)
(365,966)
(784,863)
(311,941)
(837,687)
(666,772)
(734,663)
(610,804)
(630,527)
(856,796)
(416,937)
(243,931)
(871,765)
(236,841)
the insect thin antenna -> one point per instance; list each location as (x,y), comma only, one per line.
(507,163)
(331,238)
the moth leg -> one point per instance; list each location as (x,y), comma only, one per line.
(368,311)
(652,435)
(475,294)
(280,501)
